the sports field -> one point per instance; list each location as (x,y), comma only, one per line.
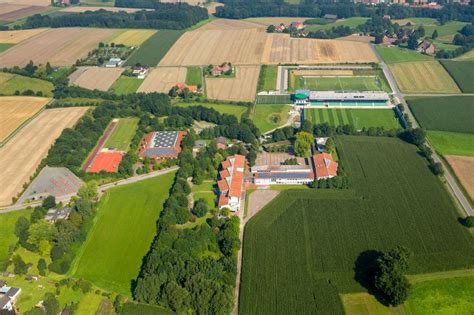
(452,143)
(359,118)
(423,77)
(267,78)
(300,251)
(395,54)
(452,113)
(132,38)
(223,108)
(125,85)
(357,83)
(124,229)
(10,83)
(268,117)
(122,134)
(462,72)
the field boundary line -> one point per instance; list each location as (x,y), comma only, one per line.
(418,278)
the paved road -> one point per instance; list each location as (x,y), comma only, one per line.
(451,181)
(101,189)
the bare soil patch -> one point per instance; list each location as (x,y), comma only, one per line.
(162,79)
(20,157)
(463,166)
(96,78)
(60,46)
(15,37)
(241,88)
(258,200)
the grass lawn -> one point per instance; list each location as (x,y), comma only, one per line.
(452,143)
(194,76)
(351,22)
(207,185)
(122,134)
(268,117)
(99,3)
(205,191)
(7,233)
(467,56)
(124,229)
(394,54)
(358,83)
(144,309)
(462,72)
(359,118)
(222,108)
(4,47)
(125,85)
(9,83)
(267,79)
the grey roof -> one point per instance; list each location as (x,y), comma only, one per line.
(57,214)
(152,152)
(4,301)
(12,292)
(2,283)
(221,140)
(164,139)
(330,16)
(298,175)
(199,143)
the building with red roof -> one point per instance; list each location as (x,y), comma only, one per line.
(324,166)
(231,182)
(106,161)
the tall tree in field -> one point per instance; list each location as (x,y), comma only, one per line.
(303,143)
(412,42)
(435,34)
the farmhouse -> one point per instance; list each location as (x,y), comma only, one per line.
(162,144)
(222,69)
(427,47)
(181,87)
(221,143)
(55,214)
(297,25)
(8,296)
(140,72)
(231,182)
(114,63)
(106,161)
(324,166)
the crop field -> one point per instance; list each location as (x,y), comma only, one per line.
(300,251)
(121,237)
(394,54)
(82,9)
(281,48)
(15,110)
(154,48)
(452,143)
(241,88)
(14,37)
(122,134)
(10,83)
(230,109)
(126,85)
(452,113)
(268,117)
(267,79)
(20,156)
(97,78)
(467,56)
(4,47)
(463,167)
(220,41)
(131,37)
(423,77)
(462,72)
(162,79)
(131,308)
(351,22)
(59,46)
(194,76)
(10,12)
(359,118)
(29,2)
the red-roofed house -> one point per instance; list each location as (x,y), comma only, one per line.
(297,25)
(181,87)
(324,166)
(218,70)
(231,182)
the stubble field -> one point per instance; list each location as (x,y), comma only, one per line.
(60,47)
(241,88)
(20,156)
(14,37)
(9,12)
(132,37)
(97,78)
(463,166)
(162,79)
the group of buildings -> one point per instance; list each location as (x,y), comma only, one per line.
(8,296)
(162,144)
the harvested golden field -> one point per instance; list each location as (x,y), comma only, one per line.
(241,88)
(463,166)
(423,77)
(96,78)
(162,79)
(217,42)
(10,12)
(358,38)
(132,37)
(9,7)
(212,7)
(45,3)
(20,156)
(15,37)
(111,9)
(59,46)
(15,110)
(275,20)
(326,73)
(281,48)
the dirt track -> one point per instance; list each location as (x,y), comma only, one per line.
(97,78)
(20,157)
(241,88)
(60,46)
(463,166)
(163,79)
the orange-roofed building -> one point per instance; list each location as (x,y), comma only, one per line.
(324,166)
(231,182)
(106,161)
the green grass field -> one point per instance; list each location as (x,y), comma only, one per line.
(205,191)
(125,85)
(452,113)
(462,72)
(124,229)
(359,118)
(351,22)
(300,250)
(7,236)
(9,83)
(194,76)
(154,48)
(273,99)
(452,143)
(230,109)
(122,134)
(359,83)
(395,54)
(267,78)
(144,309)
(268,117)
(4,47)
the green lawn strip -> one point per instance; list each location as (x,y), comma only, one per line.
(268,117)
(452,143)
(125,85)
(8,238)
(4,46)
(462,73)
(191,225)
(122,134)
(14,82)
(207,185)
(394,54)
(320,118)
(340,119)
(268,77)
(359,118)
(194,76)
(222,108)
(332,121)
(351,22)
(144,309)
(350,119)
(154,48)
(122,234)
(288,187)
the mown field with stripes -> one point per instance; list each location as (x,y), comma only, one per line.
(359,118)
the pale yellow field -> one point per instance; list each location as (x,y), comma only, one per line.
(45,3)
(423,77)
(15,110)
(10,7)
(366,304)
(97,78)
(241,88)
(327,73)
(111,9)
(281,48)
(20,156)
(275,20)
(467,56)
(217,42)
(14,37)
(162,79)
(463,166)
(132,37)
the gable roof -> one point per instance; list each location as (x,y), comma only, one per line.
(324,165)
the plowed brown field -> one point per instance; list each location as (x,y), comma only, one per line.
(97,78)
(463,166)
(241,88)
(162,79)
(11,12)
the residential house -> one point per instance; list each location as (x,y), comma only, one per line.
(324,166)
(389,40)
(199,145)
(114,62)
(182,86)
(231,181)
(297,25)
(55,214)
(427,47)
(222,69)
(280,28)
(140,72)
(8,296)
(221,143)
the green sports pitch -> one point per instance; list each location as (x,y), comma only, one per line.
(339,83)
(122,134)
(359,118)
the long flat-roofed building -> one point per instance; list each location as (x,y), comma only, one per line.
(162,144)
(341,98)
(282,174)
(231,182)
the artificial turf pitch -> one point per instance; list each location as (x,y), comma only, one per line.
(359,118)
(122,134)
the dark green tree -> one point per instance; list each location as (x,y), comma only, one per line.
(435,34)
(469,221)
(30,68)
(42,266)
(51,304)
(21,230)
(20,267)
(200,208)
(49,202)
(412,42)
